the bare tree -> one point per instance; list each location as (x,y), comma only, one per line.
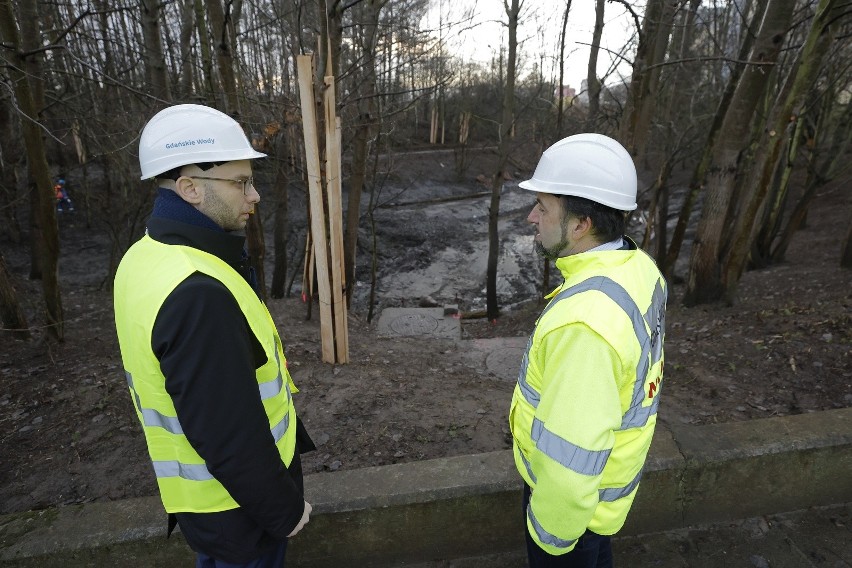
(704,282)
(560,111)
(593,84)
(209,80)
(696,183)
(155,67)
(21,73)
(825,162)
(367,121)
(221,28)
(11,314)
(789,110)
(846,251)
(506,127)
(185,82)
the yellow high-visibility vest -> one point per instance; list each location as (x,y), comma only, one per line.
(585,406)
(185,483)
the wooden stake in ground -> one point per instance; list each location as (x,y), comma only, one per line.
(335,219)
(312,159)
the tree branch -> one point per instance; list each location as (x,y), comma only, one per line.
(13,102)
(629,8)
(70,26)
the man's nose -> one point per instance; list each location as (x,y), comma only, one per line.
(253,195)
(532,217)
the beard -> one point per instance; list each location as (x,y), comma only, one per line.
(550,253)
(221,212)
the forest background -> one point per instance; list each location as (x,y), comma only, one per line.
(737,114)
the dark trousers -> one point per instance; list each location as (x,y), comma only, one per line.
(591,551)
(272,559)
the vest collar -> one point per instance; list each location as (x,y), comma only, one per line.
(572,265)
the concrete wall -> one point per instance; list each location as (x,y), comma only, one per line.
(470,505)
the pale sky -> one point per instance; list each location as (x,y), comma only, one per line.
(483,40)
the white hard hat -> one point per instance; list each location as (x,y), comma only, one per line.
(191,134)
(592,166)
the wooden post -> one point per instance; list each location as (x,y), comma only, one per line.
(335,218)
(308,270)
(312,159)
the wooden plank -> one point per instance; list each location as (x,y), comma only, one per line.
(335,220)
(312,161)
(339,133)
(308,270)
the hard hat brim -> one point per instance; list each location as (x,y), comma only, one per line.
(169,162)
(602,196)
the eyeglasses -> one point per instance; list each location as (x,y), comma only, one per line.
(245,182)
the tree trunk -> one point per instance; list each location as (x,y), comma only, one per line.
(155,64)
(846,251)
(29,42)
(187,27)
(658,43)
(761,249)
(696,183)
(36,158)
(592,83)
(821,170)
(224,45)
(560,111)
(208,76)
(506,126)
(224,54)
(282,225)
(367,120)
(684,32)
(705,279)
(11,314)
(639,79)
(11,156)
(256,249)
(804,74)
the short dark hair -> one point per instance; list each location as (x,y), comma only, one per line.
(607,223)
(174,173)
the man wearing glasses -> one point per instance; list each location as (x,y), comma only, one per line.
(202,357)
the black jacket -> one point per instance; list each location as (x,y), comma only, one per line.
(208,355)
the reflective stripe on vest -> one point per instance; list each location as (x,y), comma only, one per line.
(190,471)
(573,457)
(151,417)
(527,465)
(171,423)
(609,494)
(199,472)
(545,536)
(616,493)
(637,415)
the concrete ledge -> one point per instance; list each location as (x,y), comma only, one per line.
(470,505)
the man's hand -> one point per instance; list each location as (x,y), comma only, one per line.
(303,521)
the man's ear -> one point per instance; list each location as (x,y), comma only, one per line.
(188,190)
(582,227)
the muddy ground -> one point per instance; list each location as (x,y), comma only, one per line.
(68,433)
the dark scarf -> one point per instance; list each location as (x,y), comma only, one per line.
(170,206)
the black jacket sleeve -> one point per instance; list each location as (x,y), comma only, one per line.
(208,355)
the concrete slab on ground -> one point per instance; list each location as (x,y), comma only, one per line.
(419,322)
(499,356)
